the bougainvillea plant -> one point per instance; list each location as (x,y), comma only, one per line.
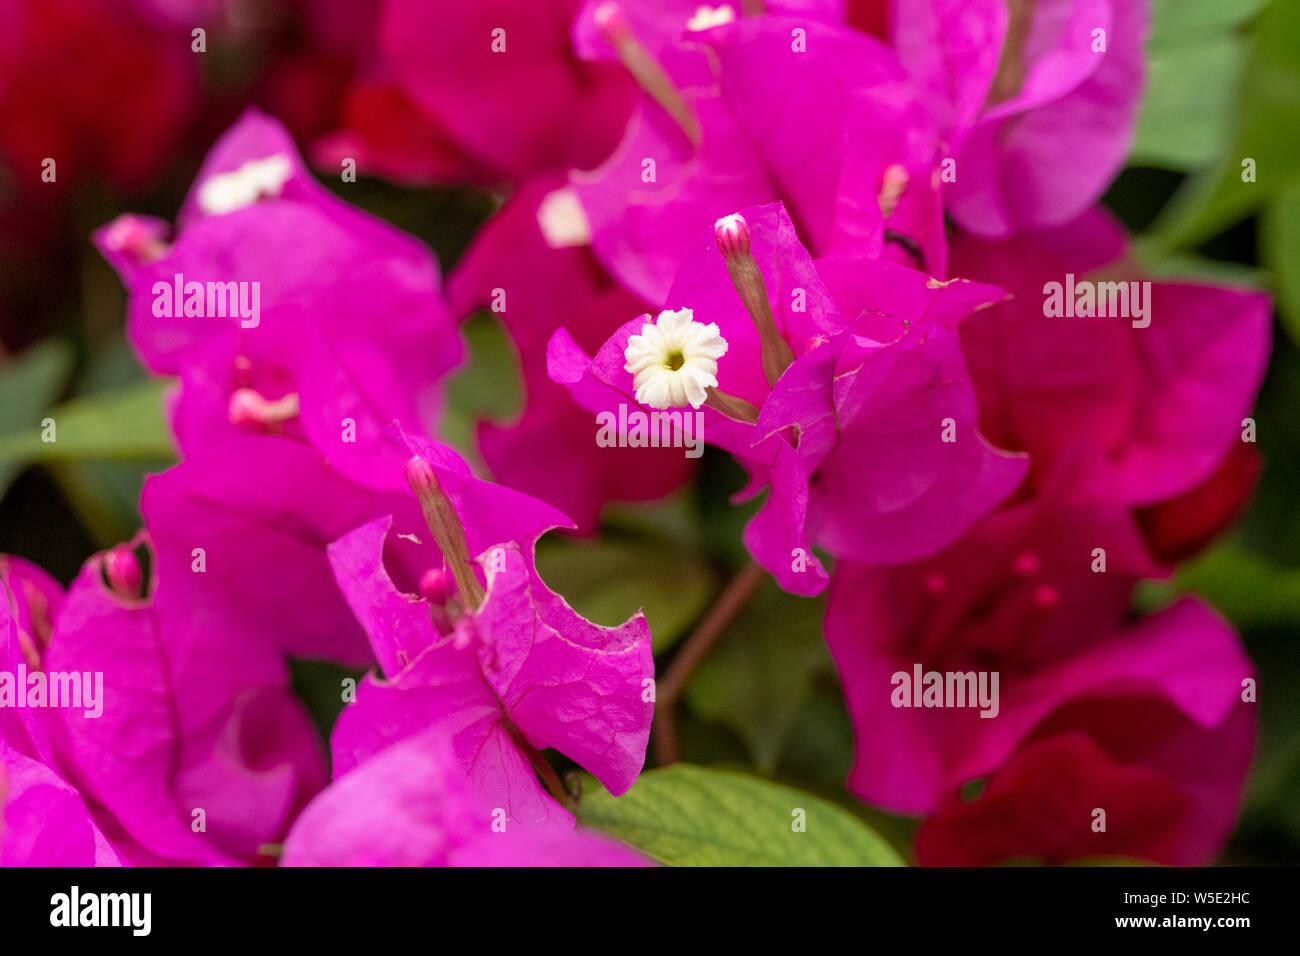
(576,433)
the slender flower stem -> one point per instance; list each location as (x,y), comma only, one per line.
(1010,76)
(667,691)
(732,234)
(440,515)
(646,70)
(731,406)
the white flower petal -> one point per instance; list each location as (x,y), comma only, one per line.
(562,219)
(227,192)
(674,338)
(707,17)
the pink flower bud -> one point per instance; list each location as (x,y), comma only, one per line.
(610,20)
(435,586)
(732,233)
(123,572)
(420,476)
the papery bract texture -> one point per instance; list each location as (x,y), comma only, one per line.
(851,438)
(349,331)
(544,282)
(1060,114)
(1156,406)
(751,90)
(412,806)
(522,673)
(1036,596)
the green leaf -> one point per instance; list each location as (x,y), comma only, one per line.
(759,676)
(27,386)
(106,494)
(1195,57)
(673,519)
(319,685)
(1247,588)
(1281,250)
(1267,114)
(607,580)
(486,386)
(1187,106)
(1177,21)
(113,366)
(1193,268)
(696,816)
(126,423)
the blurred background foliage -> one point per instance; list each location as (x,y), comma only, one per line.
(1224,86)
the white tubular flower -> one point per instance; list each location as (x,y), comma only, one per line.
(674,360)
(708,17)
(244,186)
(562,220)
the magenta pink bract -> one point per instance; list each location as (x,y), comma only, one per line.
(877,372)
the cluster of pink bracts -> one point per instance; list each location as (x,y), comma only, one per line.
(991,482)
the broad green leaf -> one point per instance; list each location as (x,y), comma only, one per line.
(30,381)
(1177,21)
(1195,56)
(106,493)
(126,423)
(1267,115)
(114,366)
(28,384)
(685,815)
(1187,105)
(759,676)
(1247,588)
(607,580)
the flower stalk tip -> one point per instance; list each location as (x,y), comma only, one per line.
(732,234)
(133,236)
(645,69)
(122,569)
(437,590)
(434,586)
(732,406)
(447,531)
